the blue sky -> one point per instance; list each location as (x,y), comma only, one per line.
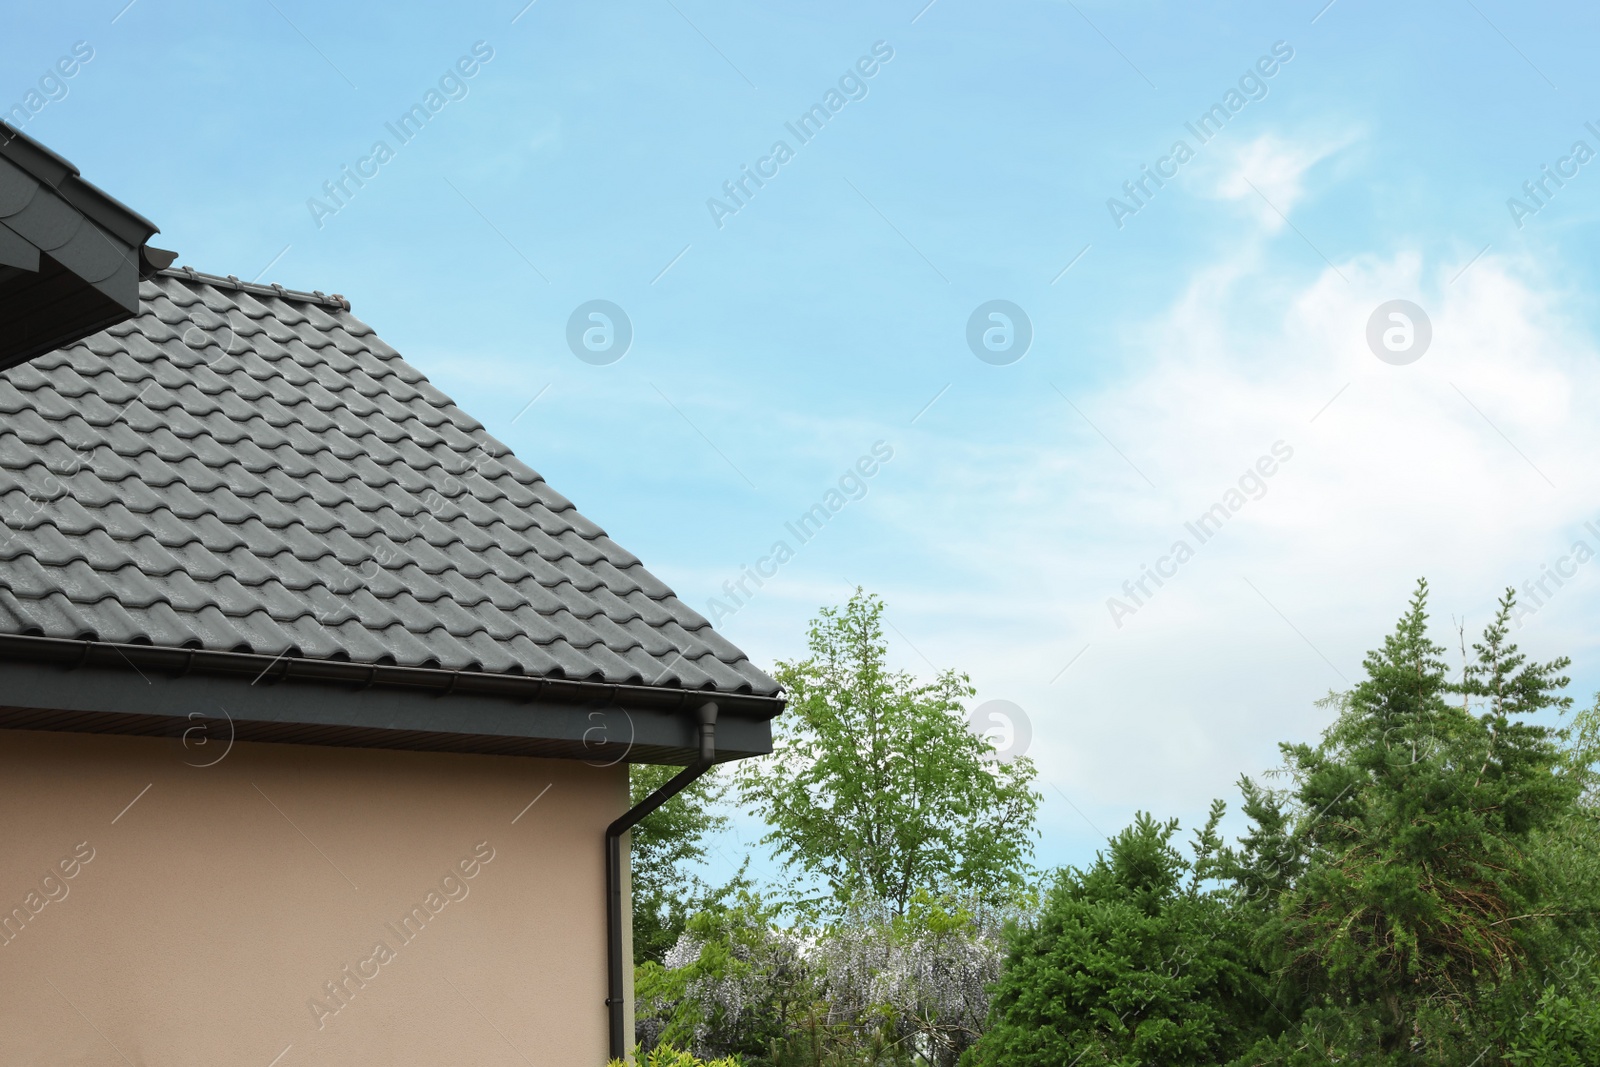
(1225,316)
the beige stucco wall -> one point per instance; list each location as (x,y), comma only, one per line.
(197,926)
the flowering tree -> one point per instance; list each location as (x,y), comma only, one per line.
(919,981)
(732,984)
(873,988)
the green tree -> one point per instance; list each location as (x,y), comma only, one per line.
(664,846)
(1138,960)
(1402,869)
(877,785)
(1425,890)
(1551,1018)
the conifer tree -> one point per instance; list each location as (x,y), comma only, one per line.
(1411,893)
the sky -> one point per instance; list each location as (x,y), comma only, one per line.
(1084,272)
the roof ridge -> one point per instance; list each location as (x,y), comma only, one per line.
(231,281)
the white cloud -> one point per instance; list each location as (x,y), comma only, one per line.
(1274,166)
(998,541)
(1420,470)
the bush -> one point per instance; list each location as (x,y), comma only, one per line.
(1127,964)
(667,1056)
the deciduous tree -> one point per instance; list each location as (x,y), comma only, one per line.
(877,785)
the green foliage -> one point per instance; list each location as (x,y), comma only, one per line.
(878,787)
(1421,886)
(1558,1031)
(1402,873)
(1425,890)
(663,845)
(1583,756)
(667,1056)
(871,988)
(1133,961)
(911,987)
(732,985)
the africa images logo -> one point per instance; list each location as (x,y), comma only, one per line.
(999,332)
(1005,726)
(599,332)
(1399,332)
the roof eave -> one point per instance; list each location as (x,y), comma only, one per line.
(82,686)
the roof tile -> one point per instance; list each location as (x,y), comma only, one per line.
(240,467)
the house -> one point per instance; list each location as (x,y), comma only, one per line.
(317,702)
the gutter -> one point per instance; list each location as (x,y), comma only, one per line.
(616,1001)
(269,670)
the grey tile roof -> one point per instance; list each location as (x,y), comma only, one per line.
(246,468)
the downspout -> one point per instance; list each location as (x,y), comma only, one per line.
(621,1042)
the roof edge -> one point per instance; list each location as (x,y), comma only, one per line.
(233,282)
(62,175)
(205,714)
(362,676)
